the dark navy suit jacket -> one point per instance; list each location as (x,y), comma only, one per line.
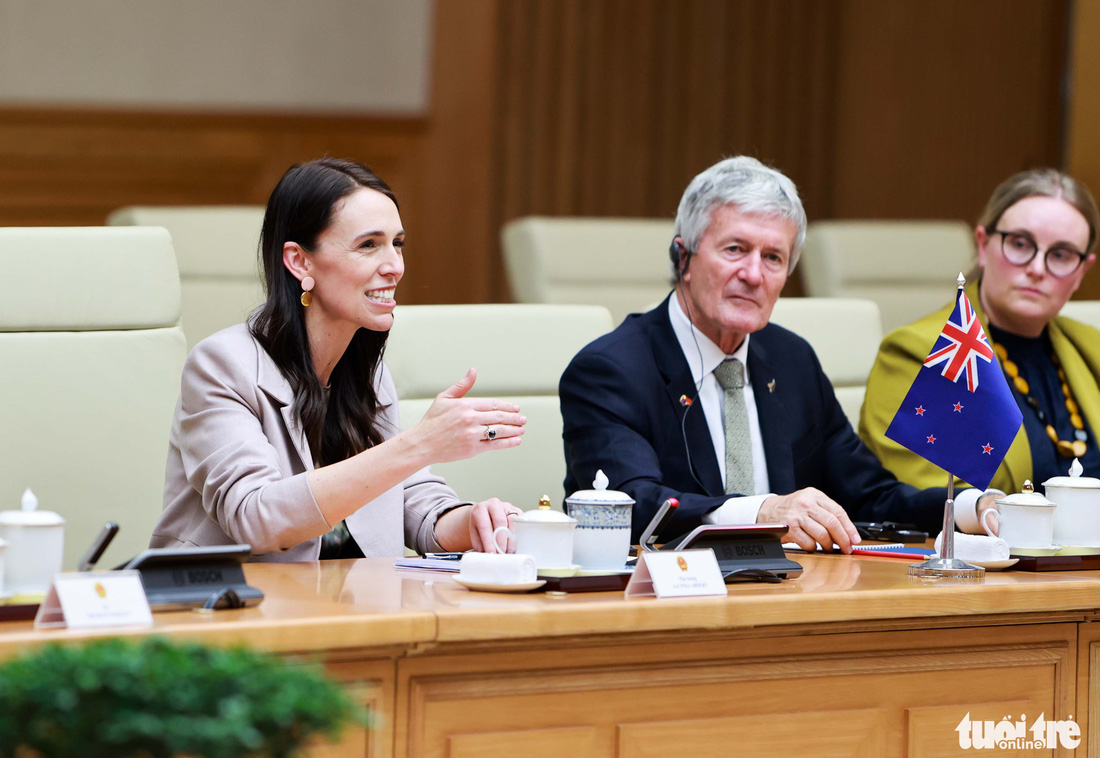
(622,411)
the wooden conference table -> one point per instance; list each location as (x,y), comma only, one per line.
(852,658)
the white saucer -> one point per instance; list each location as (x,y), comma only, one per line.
(1034,552)
(996,565)
(480,587)
(1079,550)
(989,565)
(560,571)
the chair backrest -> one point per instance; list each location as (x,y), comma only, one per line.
(1085,311)
(619,263)
(90,359)
(216,248)
(520,352)
(907,267)
(845,333)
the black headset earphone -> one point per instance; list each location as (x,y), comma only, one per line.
(674,251)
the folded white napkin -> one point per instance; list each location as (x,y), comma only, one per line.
(498,568)
(976,547)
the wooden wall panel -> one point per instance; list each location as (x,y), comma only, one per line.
(452,253)
(1082,136)
(900,109)
(73,167)
(76,166)
(609,108)
(937,103)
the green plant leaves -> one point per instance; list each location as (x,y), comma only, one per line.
(157,699)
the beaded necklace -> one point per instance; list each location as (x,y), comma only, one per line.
(1066,448)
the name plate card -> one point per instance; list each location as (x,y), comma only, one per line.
(90,599)
(685,573)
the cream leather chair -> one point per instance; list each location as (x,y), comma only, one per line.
(90,359)
(1085,311)
(845,333)
(907,267)
(520,352)
(219,269)
(619,263)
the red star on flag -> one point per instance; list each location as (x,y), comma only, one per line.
(931,439)
(987,449)
(920,410)
(958,407)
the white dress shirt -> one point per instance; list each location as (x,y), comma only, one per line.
(703,356)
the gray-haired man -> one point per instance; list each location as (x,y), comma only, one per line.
(703,400)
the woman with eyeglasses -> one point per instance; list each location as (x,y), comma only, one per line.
(1035,242)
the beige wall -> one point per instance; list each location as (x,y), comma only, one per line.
(353,56)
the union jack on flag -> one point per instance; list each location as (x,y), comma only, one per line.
(966,432)
(966,343)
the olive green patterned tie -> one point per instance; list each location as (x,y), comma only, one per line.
(730,374)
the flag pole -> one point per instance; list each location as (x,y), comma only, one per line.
(947,544)
(946,564)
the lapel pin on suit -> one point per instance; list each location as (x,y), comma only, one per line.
(771,386)
(685,401)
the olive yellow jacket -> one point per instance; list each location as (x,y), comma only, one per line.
(900,357)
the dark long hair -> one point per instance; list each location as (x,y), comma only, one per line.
(301,208)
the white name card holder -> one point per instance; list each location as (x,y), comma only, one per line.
(89,599)
(684,573)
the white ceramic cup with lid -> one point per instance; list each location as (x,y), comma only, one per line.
(1077,519)
(1025,519)
(36,541)
(543,533)
(602,540)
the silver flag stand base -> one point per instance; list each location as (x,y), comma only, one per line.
(944,568)
(947,566)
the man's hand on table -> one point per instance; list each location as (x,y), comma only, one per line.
(814,518)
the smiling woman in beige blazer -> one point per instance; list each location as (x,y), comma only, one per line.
(286,434)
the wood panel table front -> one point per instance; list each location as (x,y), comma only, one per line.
(853,658)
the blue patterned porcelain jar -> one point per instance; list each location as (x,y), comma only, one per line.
(601,541)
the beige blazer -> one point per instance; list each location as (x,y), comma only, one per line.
(237,464)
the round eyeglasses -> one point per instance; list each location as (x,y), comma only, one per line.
(1020,249)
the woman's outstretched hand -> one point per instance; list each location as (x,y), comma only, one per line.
(458,427)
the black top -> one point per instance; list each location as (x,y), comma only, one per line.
(1032,356)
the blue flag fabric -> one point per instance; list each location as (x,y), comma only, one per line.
(960,413)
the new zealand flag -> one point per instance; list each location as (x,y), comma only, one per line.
(960,413)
